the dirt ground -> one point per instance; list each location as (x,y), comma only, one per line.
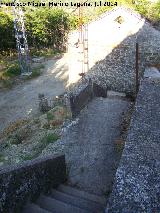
(22,100)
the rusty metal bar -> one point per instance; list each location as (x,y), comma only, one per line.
(137,67)
(83,43)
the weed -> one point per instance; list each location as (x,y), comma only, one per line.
(41,66)
(47,139)
(44,52)
(35,73)
(12,71)
(52,138)
(119,145)
(14,127)
(50,116)
(7,83)
(40,146)
(15,140)
(27,157)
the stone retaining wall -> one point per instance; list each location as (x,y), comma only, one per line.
(21,183)
(117,71)
(137,182)
(112,50)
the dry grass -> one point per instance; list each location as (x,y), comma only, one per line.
(14,127)
(119,144)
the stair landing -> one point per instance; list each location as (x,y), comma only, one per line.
(91,155)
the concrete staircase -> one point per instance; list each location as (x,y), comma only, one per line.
(66,199)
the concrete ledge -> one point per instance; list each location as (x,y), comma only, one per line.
(25,182)
(137,183)
(84,93)
(79,100)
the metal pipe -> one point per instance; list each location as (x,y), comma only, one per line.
(137,67)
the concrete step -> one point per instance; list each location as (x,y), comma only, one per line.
(57,206)
(77,201)
(33,208)
(82,194)
(115,94)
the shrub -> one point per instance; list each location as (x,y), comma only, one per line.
(35,73)
(47,28)
(6,33)
(12,70)
(51,138)
(6,83)
(73,22)
(47,139)
(142,7)
(44,28)
(50,116)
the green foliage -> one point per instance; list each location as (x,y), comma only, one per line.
(50,116)
(51,138)
(47,139)
(47,28)
(45,52)
(142,7)
(149,10)
(12,70)
(73,21)
(154,12)
(6,33)
(44,27)
(35,73)
(27,157)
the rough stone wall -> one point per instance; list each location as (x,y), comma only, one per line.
(117,70)
(137,182)
(112,49)
(21,183)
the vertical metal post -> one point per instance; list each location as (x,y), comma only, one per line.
(21,40)
(86,58)
(83,43)
(137,67)
(81,40)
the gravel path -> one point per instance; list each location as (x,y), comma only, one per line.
(22,101)
(90,154)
